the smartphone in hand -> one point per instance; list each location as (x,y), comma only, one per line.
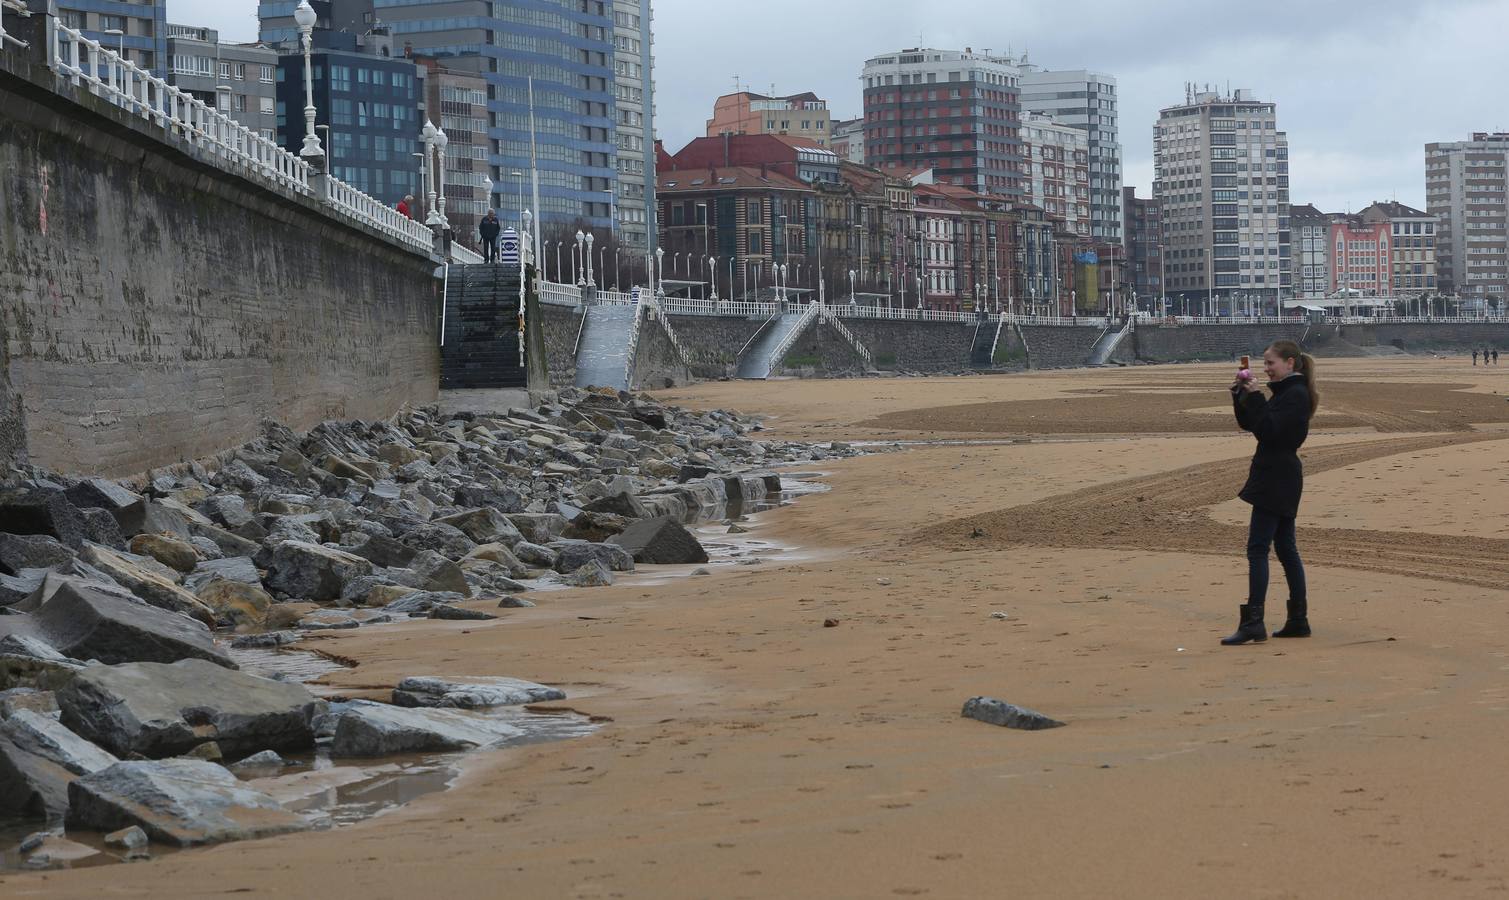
(1245,372)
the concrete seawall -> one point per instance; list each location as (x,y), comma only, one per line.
(157,309)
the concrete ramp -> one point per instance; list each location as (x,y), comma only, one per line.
(1100,354)
(773,341)
(607,341)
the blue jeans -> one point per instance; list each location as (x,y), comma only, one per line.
(1271,530)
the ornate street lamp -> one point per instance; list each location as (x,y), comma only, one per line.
(440,141)
(581,269)
(660,268)
(304,16)
(591,282)
(432,219)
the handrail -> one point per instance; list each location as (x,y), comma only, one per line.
(560,294)
(20,9)
(812,311)
(757,332)
(665,323)
(633,347)
(87,64)
(580,327)
(445,298)
(464,255)
(864,353)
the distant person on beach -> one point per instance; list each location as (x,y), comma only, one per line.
(1475,357)
(1495,357)
(1275,482)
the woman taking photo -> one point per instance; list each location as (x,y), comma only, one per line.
(1275,482)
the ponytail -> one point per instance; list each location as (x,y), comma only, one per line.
(1304,365)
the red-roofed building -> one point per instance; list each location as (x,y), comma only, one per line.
(731,224)
(802,115)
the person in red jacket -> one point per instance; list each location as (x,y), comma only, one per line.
(406,205)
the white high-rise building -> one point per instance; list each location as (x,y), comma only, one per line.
(1467,190)
(633,94)
(1085,100)
(1222,174)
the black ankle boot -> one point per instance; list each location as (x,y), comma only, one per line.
(1294,628)
(1298,624)
(1251,629)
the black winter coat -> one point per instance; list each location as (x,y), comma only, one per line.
(489,229)
(1277,477)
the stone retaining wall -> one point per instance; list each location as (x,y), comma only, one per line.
(1059,346)
(560,325)
(915,346)
(712,343)
(157,308)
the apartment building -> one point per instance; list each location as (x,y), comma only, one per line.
(1056,162)
(1466,185)
(954,112)
(1085,100)
(802,115)
(1222,176)
(238,79)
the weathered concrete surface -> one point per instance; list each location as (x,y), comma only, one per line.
(158,308)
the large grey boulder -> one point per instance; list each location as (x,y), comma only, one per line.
(100,493)
(385,552)
(662,541)
(16,588)
(531,554)
(592,573)
(485,526)
(471,693)
(620,504)
(151,517)
(539,528)
(176,801)
(229,544)
(1007,715)
(230,568)
(158,710)
(313,572)
(41,511)
(447,540)
(572,555)
(365,729)
(433,572)
(146,581)
(50,739)
(31,551)
(86,621)
(31,786)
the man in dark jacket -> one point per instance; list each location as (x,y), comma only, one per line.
(489,231)
(1275,482)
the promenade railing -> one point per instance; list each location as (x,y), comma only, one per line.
(231,146)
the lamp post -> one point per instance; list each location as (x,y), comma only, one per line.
(785,274)
(304,16)
(660,267)
(612,220)
(518,178)
(440,141)
(712,276)
(558,261)
(428,132)
(731,279)
(577,262)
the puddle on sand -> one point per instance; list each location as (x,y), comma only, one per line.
(327,793)
(288,663)
(743,549)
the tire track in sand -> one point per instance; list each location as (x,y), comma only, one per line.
(1169,512)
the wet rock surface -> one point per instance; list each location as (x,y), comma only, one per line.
(157,710)
(182,802)
(1007,715)
(110,592)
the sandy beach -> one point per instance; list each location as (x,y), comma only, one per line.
(748,751)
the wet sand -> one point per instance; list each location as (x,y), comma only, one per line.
(753,752)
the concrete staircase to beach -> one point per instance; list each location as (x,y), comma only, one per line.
(482,347)
(607,339)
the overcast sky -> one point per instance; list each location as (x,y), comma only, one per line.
(1360,88)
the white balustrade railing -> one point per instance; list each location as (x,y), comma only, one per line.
(633,346)
(843,330)
(812,311)
(560,294)
(16,7)
(682,306)
(615,298)
(232,146)
(464,255)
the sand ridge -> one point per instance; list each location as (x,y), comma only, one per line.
(754,753)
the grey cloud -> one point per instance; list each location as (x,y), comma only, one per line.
(1360,89)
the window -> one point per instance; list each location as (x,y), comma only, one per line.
(266,104)
(754,212)
(267,74)
(756,242)
(114,23)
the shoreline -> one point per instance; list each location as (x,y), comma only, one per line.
(754,752)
